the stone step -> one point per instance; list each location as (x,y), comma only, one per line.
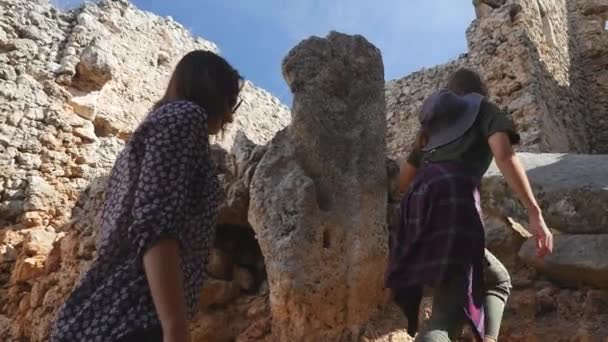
(572,190)
(576,259)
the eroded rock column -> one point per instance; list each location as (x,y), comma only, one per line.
(318,196)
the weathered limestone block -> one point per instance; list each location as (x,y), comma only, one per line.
(235,170)
(97,66)
(571,189)
(576,259)
(504,237)
(319,194)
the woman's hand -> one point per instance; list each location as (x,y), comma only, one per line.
(544,237)
(516,177)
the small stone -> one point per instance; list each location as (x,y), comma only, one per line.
(545,300)
(40,195)
(85,105)
(28,269)
(244,279)
(96,68)
(482,10)
(7,253)
(38,242)
(8,73)
(258,308)
(37,295)
(256,331)
(596,303)
(11,237)
(218,292)
(87,20)
(32,32)
(5,325)
(504,236)
(87,132)
(27,47)
(264,289)
(4,40)
(163,58)
(24,304)
(220,264)
(523,303)
(36,18)
(49,141)
(29,161)
(32,219)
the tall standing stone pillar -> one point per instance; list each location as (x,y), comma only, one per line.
(319,195)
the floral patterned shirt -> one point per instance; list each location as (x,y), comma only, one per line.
(163,185)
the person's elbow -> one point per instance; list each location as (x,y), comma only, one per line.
(500,145)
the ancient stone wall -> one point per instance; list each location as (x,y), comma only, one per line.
(589,38)
(544,62)
(73,86)
(522,49)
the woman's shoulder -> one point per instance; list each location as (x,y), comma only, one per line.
(490,112)
(488,107)
(183,109)
(175,116)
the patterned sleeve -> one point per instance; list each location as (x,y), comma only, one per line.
(493,120)
(172,146)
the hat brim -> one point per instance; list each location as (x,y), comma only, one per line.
(456,128)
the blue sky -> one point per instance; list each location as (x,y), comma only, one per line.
(255,35)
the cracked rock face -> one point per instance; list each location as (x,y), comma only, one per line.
(319,194)
(73,86)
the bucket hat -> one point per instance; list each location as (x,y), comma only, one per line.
(446,116)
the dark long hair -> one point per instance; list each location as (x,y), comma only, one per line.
(207,80)
(462,82)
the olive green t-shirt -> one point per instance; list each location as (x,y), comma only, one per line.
(472,147)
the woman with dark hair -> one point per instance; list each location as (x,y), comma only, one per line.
(159,214)
(438,240)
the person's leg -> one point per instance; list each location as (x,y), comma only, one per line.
(408,300)
(448,317)
(498,288)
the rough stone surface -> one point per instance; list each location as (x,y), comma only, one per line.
(545,64)
(571,189)
(319,196)
(576,260)
(73,86)
(504,237)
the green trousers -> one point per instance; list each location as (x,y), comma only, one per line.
(447,319)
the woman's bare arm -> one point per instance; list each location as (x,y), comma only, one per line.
(516,178)
(165,279)
(512,170)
